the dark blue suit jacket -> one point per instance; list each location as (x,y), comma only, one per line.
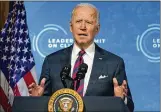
(105,63)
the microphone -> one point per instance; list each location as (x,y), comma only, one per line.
(81,74)
(67,81)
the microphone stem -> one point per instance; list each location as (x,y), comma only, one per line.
(77,84)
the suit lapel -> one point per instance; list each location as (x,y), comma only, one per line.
(98,64)
(66,57)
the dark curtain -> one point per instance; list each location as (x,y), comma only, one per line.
(4,9)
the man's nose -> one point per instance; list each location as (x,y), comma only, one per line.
(83,26)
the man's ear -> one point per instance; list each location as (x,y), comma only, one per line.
(70,26)
(97,28)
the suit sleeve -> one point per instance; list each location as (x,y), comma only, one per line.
(46,74)
(120,75)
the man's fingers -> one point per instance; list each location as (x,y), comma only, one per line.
(32,85)
(30,90)
(123,87)
(125,94)
(124,83)
(36,90)
(43,82)
(115,83)
(126,90)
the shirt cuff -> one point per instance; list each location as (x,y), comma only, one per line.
(125,100)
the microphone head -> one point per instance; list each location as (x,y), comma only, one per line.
(67,68)
(82,71)
(83,68)
(65,71)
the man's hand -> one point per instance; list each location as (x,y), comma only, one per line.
(120,91)
(37,90)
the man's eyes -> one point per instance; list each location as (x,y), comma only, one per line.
(78,21)
(89,22)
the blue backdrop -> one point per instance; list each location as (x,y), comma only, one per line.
(128,29)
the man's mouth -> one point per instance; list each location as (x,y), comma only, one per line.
(82,34)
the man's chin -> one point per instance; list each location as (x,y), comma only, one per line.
(82,43)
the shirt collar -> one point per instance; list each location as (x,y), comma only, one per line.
(89,51)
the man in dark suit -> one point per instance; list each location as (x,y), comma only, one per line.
(106,71)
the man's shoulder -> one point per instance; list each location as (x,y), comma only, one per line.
(111,55)
(58,53)
(115,56)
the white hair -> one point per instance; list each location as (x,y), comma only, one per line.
(88,5)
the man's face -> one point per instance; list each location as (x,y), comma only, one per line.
(84,25)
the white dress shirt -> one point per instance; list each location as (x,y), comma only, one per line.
(88,59)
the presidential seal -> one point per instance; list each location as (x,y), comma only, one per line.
(65,100)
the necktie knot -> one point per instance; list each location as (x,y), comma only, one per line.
(81,53)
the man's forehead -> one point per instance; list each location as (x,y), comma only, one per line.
(83,9)
(90,14)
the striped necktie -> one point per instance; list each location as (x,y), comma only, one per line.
(78,62)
